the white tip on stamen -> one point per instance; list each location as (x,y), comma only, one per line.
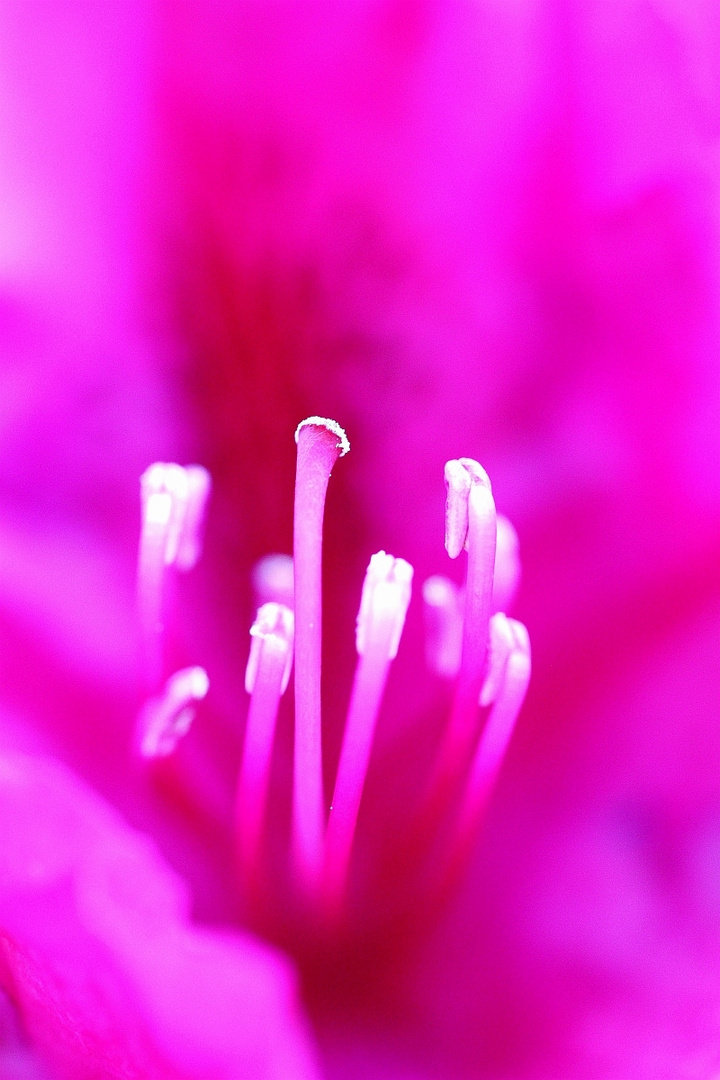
(461,475)
(501,642)
(507,565)
(272,621)
(384,602)
(272,580)
(165,719)
(521,636)
(443,609)
(343,443)
(173,509)
(191,533)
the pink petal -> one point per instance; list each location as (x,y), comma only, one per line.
(97,953)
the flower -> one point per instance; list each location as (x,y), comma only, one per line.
(460,228)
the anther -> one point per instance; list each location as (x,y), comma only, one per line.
(383,607)
(266,679)
(461,476)
(272,580)
(272,621)
(442,606)
(173,501)
(320,442)
(199,485)
(470,522)
(501,641)
(383,604)
(166,719)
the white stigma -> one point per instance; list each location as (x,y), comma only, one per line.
(165,719)
(384,602)
(343,443)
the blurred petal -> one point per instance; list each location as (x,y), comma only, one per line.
(98,956)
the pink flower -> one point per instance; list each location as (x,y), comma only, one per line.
(461,229)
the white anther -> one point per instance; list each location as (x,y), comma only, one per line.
(521,638)
(165,719)
(191,533)
(501,642)
(272,580)
(384,602)
(462,475)
(274,626)
(443,610)
(173,509)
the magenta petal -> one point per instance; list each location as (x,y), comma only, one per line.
(97,954)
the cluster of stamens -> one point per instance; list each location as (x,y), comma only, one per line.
(469,640)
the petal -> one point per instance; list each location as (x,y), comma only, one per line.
(97,953)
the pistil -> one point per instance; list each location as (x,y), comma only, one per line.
(380,622)
(320,442)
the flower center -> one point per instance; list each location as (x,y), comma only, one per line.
(470,642)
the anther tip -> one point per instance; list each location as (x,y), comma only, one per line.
(343,443)
(465,480)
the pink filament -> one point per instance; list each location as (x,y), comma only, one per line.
(491,748)
(368,688)
(319,444)
(257,751)
(385,599)
(462,728)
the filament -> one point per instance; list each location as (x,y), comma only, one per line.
(509,685)
(266,679)
(380,622)
(471,524)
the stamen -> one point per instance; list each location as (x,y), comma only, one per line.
(320,443)
(471,524)
(510,686)
(380,622)
(173,501)
(266,680)
(199,485)
(501,643)
(166,719)
(272,580)
(442,605)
